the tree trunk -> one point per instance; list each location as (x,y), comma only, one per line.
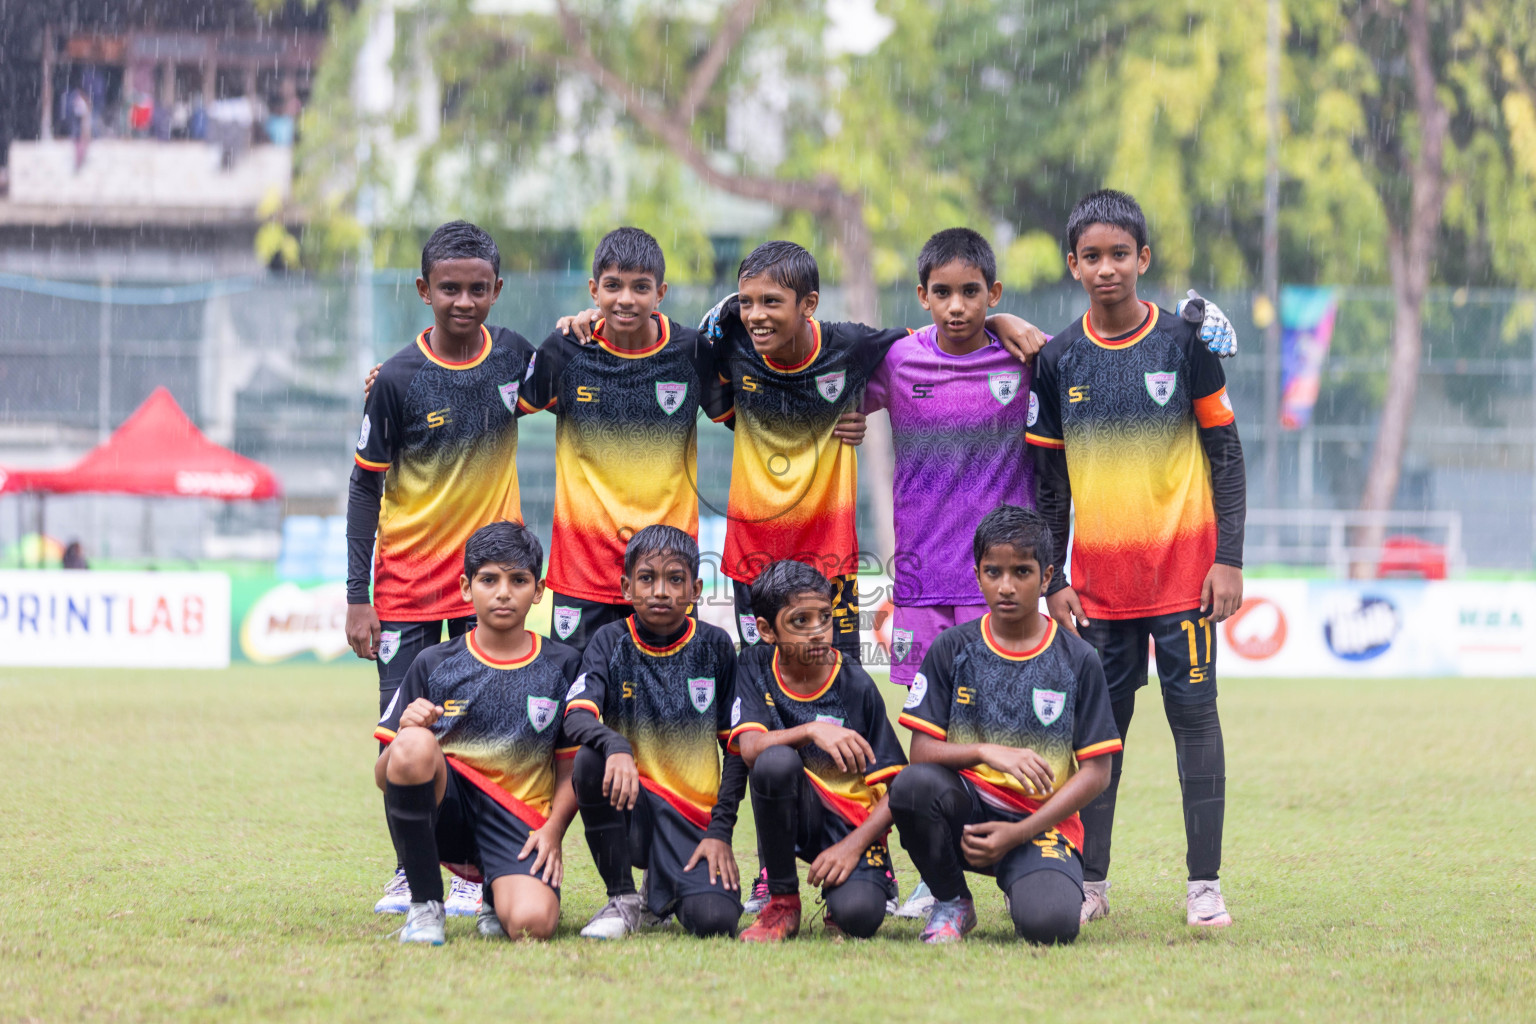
(1411,259)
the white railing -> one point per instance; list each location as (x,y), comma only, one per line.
(1320,536)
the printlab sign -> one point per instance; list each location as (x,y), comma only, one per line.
(114,619)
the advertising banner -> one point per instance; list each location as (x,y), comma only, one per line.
(114,619)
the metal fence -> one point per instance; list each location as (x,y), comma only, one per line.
(272,367)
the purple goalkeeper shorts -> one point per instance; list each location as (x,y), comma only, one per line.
(913,631)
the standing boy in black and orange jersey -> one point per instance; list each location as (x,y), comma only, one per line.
(626,441)
(649,778)
(1134,430)
(813,731)
(474,773)
(436,460)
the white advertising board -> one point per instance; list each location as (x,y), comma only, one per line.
(114,619)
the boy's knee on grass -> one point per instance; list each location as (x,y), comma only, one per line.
(526,907)
(709,915)
(857,907)
(1046,908)
(413,757)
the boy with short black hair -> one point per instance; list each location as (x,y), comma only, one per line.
(813,731)
(475,771)
(436,459)
(626,433)
(1010,727)
(1135,431)
(649,779)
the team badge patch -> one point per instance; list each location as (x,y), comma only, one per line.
(566,621)
(508,393)
(702,693)
(830,385)
(1034,408)
(901,644)
(736,713)
(749,628)
(830,719)
(919,691)
(1049,705)
(389,643)
(577,688)
(1161,386)
(670,395)
(1004,386)
(362,437)
(541,711)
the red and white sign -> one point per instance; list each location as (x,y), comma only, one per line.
(114,619)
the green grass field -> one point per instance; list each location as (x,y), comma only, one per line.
(208,845)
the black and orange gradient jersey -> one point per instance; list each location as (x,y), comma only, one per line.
(849,698)
(444,436)
(794,487)
(626,446)
(1052,700)
(501,723)
(669,699)
(1136,434)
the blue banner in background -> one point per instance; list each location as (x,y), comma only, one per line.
(1306,330)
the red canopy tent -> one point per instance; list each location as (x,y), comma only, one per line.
(157,452)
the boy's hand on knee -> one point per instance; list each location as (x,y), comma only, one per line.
(583,325)
(835,864)
(850,751)
(420,713)
(1222,593)
(1025,765)
(722,863)
(546,846)
(621,782)
(986,843)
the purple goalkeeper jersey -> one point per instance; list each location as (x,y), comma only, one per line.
(958,424)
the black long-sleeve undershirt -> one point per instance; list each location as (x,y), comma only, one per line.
(365,491)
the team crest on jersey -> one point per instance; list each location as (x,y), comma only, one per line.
(1004,386)
(389,643)
(830,719)
(749,628)
(541,711)
(1049,705)
(901,644)
(702,693)
(362,437)
(1160,386)
(670,395)
(566,621)
(508,393)
(830,385)
(1034,408)
(919,691)
(736,713)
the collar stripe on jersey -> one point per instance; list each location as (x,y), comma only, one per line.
(662,652)
(808,360)
(837,666)
(1141,332)
(663,335)
(486,659)
(1003,652)
(485,350)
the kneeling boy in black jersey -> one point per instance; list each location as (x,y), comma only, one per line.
(476,773)
(812,728)
(1010,723)
(648,778)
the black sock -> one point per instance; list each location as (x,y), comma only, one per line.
(1099,815)
(606,828)
(410,810)
(1202,759)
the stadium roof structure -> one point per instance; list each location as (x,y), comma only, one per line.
(157,452)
